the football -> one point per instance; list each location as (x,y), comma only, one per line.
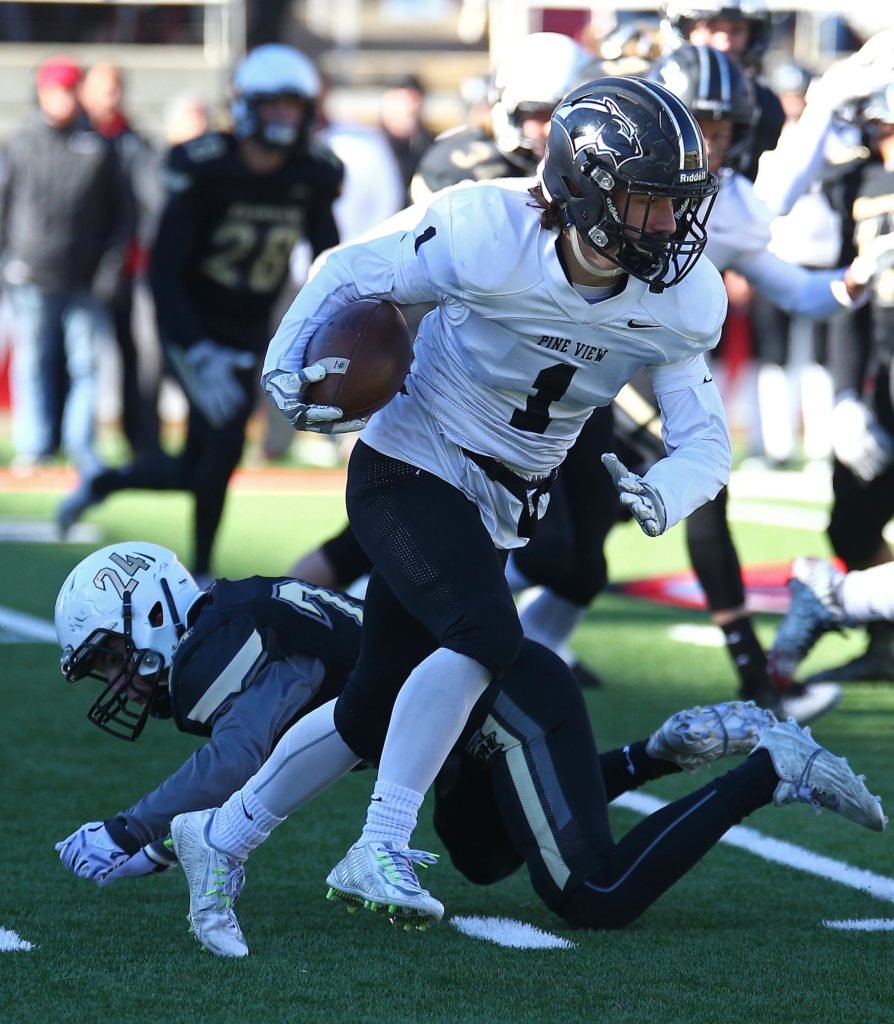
(367,351)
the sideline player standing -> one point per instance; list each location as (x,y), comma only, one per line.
(237,203)
(284,646)
(548,303)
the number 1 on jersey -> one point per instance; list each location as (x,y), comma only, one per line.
(549,386)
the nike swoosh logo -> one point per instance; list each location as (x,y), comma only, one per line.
(250,817)
(707,379)
(640,327)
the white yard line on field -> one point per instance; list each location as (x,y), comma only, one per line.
(866,924)
(504,931)
(780,852)
(11,941)
(17,627)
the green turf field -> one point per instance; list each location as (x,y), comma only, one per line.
(739,939)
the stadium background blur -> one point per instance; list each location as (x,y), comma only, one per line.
(174,54)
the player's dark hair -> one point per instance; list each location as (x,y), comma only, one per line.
(550,214)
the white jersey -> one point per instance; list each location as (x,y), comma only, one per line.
(513,360)
(739,233)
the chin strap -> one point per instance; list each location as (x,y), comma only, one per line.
(586,264)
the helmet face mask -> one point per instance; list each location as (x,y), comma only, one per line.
(119,619)
(618,146)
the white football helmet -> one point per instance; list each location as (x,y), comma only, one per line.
(540,69)
(268,71)
(140,594)
(679,18)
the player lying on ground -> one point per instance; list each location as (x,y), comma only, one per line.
(244,660)
(823,599)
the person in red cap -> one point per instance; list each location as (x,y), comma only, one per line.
(63,227)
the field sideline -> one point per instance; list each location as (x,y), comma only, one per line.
(740,938)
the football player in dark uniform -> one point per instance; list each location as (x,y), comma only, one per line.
(237,203)
(243,660)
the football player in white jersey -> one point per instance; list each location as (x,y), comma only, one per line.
(722,99)
(548,303)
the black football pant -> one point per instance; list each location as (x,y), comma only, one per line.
(525,785)
(437,581)
(204,467)
(860,510)
(566,553)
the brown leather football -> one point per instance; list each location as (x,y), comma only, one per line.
(367,351)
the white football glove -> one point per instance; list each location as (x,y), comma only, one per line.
(874,257)
(286,391)
(207,372)
(859,441)
(643,500)
(151,860)
(90,852)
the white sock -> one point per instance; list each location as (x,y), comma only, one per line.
(428,717)
(242,823)
(868,594)
(550,619)
(392,814)
(817,400)
(777,434)
(308,759)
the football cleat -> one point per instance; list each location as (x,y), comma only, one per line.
(697,736)
(809,774)
(74,505)
(215,881)
(875,664)
(814,610)
(379,876)
(806,701)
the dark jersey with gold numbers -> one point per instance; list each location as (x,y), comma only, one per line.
(222,251)
(464,154)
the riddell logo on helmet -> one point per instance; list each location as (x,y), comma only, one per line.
(685,177)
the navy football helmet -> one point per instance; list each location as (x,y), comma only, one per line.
(617,138)
(714,88)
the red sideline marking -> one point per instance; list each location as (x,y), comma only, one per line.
(765,589)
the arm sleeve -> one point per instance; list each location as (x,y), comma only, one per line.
(390,267)
(786,172)
(696,436)
(818,294)
(178,320)
(243,735)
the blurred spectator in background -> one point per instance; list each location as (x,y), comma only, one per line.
(64,224)
(237,203)
(102,97)
(403,125)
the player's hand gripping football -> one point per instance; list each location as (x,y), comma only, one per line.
(644,501)
(90,852)
(287,392)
